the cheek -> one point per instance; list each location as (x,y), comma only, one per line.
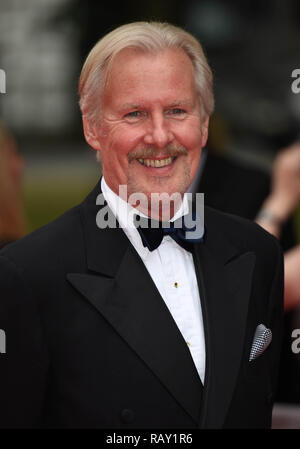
(121,140)
(189,132)
(190,137)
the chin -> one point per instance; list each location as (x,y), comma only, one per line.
(159,185)
(164,188)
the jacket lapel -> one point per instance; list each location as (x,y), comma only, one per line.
(120,288)
(224,277)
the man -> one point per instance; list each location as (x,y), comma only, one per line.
(115,326)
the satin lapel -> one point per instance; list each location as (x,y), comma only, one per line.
(127,297)
(224,278)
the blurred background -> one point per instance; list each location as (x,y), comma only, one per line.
(252,46)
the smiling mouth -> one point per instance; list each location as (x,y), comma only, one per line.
(157,163)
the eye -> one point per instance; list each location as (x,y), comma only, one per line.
(177,111)
(134,115)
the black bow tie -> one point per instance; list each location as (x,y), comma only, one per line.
(152,231)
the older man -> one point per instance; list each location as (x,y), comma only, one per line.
(127,326)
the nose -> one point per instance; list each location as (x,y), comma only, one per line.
(158,132)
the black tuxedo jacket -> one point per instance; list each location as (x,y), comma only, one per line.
(90,342)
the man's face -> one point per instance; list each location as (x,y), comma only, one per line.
(150,133)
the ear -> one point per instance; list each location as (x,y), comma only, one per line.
(91,133)
(205,131)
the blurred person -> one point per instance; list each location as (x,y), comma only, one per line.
(277,209)
(232,185)
(130,327)
(12,223)
(226,182)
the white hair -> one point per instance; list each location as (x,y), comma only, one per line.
(151,37)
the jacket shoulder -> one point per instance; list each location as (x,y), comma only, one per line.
(241,232)
(48,244)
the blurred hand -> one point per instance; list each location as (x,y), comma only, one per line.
(291,278)
(285,190)
(286,180)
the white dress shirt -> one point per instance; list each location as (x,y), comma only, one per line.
(172,269)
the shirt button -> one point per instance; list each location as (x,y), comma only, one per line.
(188,343)
(176,284)
(127,415)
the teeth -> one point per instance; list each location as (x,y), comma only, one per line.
(157,163)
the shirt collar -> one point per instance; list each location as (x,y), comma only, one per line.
(124,213)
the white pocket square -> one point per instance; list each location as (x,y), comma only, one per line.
(261,340)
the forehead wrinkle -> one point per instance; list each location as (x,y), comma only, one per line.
(130,106)
(169,105)
(182,102)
